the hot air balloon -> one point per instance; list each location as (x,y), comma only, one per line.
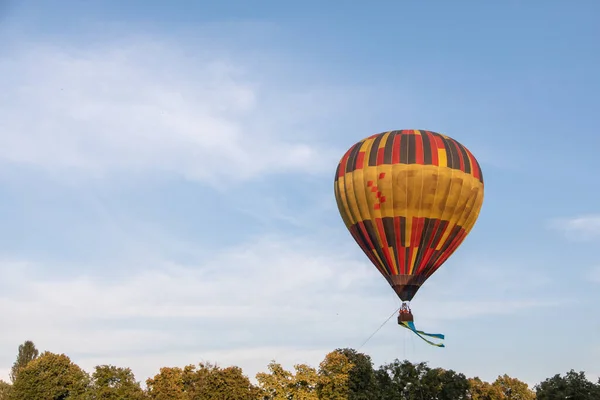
(409,198)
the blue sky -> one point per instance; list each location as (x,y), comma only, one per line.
(166,176)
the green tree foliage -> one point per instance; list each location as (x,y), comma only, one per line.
(362,382)
(50,377)
(113,383)
(343,374)
(27,353)
(407,381)
(444,384)
(5,389)
(400,380)
(572,386)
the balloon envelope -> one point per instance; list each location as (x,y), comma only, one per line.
(409,198)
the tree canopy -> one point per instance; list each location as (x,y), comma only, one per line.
(50,376)
(343,373)
(572,386)
(27,353)
(113,383)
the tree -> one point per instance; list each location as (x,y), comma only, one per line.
(334,374)
(306,381)
(362,382)
(110,382)
(280,384)
(480,390)
(513,389)
(277,384)
(573,386)
(401,380)
(50,377)
(443,384)
(5,389)
(385,386)
(27,353)
(205,382)
(407,381)
(213,382)
(167,385)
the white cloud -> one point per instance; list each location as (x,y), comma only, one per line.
(585,227)
(283,298)
(262,294)
(148,107)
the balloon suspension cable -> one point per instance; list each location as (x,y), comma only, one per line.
(377,330)
(406,320)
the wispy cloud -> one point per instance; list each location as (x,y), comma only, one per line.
(145,107)
(581,228)
(275,293)
(279,294)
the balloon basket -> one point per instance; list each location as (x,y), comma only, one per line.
(405,314)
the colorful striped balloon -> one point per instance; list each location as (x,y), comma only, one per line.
(409,198)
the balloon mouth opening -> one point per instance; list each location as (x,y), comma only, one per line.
(406,286)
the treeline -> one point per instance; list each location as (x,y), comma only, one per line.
(343,374)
